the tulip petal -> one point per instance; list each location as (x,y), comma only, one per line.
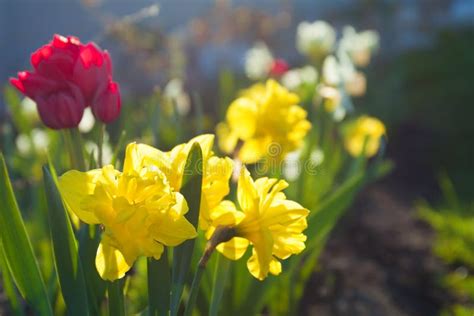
(106,106)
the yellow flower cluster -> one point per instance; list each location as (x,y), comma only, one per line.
(138,209)
(141,209)
(264,115)
(268,221)
(216,171)
(366,131)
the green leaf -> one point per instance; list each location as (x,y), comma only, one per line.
(18,249)
(8,286)
(116,301)
(182,255)
(158,285)
(67,261)
(89,239)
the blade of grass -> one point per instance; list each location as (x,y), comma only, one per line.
(182,255)
(8,286)
(18,249)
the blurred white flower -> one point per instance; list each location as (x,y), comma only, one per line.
(87,121)
(359,45)
(28,108)
(23,144)
(292,166)
(315,39)
(107,152)
(331,96)
(356,85)
(40,140)
(331,71)
(294,78)
(174,90)
(258,61)
(316,157)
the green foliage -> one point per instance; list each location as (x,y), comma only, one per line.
(453,223)
(182,254)
(18,250)
(67,260)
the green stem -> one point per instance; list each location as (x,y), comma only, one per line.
(158,285)
(221,234)
(100,144)
(116,302)
(220,278)
(73,140)
(194,290)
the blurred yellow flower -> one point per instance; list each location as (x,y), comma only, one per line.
(138,209)
(216,171)
(265,115)
(365,127)
(268,221)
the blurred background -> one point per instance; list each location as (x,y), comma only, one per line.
(382,260)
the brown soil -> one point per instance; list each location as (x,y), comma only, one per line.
(377,261)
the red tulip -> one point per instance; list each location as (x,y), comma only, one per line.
(69,74)
(62,108)
(279,67)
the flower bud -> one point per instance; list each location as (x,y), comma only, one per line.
(106,106)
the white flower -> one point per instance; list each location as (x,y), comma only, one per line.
(331,71)
(40,140)
(359,46)
(291,165)
(87,121)
(294,78)
(315,39)
(107,152)
(23,144)
(258,61)
(316,157)
(28,108)
(174,90)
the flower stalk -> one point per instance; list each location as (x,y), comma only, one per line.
(221,234)
(73,140)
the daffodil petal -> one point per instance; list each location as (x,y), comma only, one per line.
(206,141)
(111,263)
(227,140)
(172,232)
(246,191)
(74,187)
(234,249)
(138,156)
(241,115)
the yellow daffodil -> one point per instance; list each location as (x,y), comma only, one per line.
(137,208)
(265,115)
(364,129)
(216,171)
(268,221)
